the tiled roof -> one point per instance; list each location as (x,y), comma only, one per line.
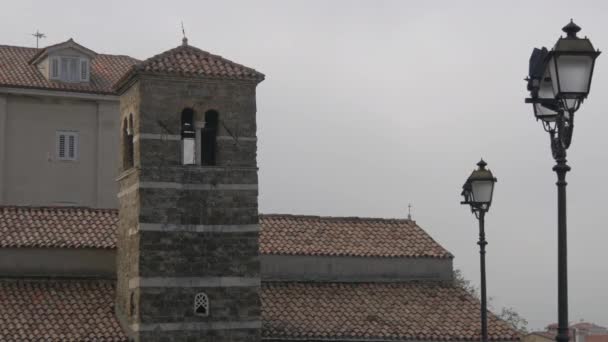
(82,310)
(346,236)
(545,334)
(66,310)
(67,227)
(17,72)
(587,326)
(189,61)
(63,227)
(430,311)
(597,338)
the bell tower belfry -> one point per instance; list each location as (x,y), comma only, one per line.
(188,265)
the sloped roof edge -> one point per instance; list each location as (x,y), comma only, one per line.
(189,62)
(70,43)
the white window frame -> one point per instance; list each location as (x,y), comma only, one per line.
(66,155)
(85,70)
(54,68)
(82,72)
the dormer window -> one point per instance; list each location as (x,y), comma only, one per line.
(69,69)
(65,62)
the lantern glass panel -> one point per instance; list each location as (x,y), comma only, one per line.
(571,75)
(467,196)
(482,191)
(545,91)
(571,104)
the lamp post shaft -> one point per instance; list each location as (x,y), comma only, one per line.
(561,168)
(569,65)
(482,261)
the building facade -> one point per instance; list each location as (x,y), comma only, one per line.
(186,256)
(59,129)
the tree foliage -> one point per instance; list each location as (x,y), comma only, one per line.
(511,316)
(465,284)
(507,314)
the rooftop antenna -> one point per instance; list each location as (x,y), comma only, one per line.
(39,35)
(184,39)
(409,211)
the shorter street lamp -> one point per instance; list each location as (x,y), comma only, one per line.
(477,192)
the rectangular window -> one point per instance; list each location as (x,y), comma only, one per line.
(73,74)
(70,69)
(64,68)
(67,145)
(84,70)
(54,67)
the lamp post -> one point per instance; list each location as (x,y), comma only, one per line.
(559,81)
(477,192)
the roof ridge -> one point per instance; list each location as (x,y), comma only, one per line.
(190,61)
(194,48)
(442,283)
(111,55)
(340,217)
(21,47)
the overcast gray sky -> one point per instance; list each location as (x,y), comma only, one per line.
(370,105)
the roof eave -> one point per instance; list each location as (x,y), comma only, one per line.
(130,77)
(349,255)
(372,339)
(6,88)
(70,43)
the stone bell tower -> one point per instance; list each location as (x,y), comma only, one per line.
(188,265)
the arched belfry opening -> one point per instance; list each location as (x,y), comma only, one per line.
(188,137)
(209,137)
(127,141)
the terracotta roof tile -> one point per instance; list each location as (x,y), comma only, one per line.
(189,61)
(597,338)
(551,334)
(15,71)
(67,227)
(423,311)
(62,227)
(346,236)
(66,310)
(82,310)
(587,326)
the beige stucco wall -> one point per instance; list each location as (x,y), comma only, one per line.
(536,338)
(31,173)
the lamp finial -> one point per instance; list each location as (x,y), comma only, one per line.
(571,29)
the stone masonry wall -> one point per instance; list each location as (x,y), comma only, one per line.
(128,217)
(173,237)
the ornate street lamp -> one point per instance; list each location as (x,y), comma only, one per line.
(559,81)
(477,192)
(570,65)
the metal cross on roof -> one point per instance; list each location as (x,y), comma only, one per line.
(409,211)
(184,39)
